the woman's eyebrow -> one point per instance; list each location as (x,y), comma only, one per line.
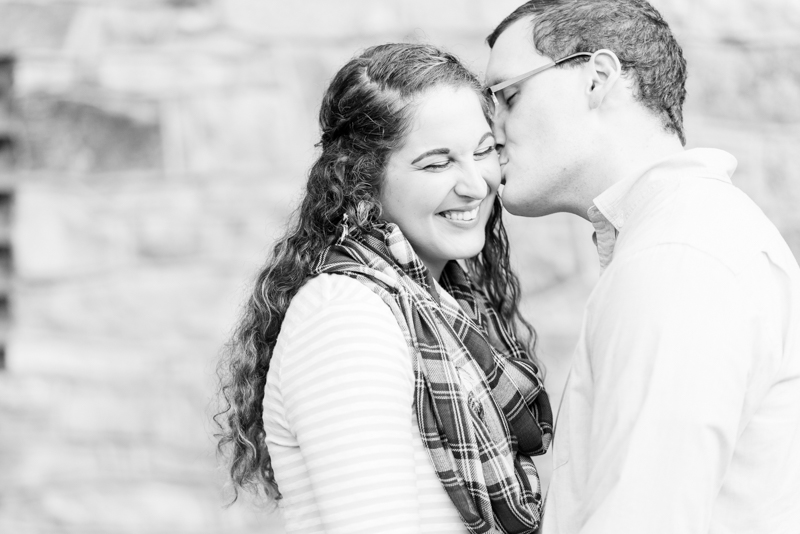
(434,152)
(445,151)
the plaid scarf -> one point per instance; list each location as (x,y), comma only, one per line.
(480,404)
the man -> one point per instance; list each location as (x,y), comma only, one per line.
(682,410)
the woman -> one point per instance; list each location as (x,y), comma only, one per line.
(396,395)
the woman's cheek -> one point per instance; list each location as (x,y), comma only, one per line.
(490,170)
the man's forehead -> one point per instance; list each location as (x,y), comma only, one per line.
(513,52)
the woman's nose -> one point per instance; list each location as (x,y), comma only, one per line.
(472,183)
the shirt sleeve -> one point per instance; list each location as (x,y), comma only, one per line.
(670,353)
(348,392)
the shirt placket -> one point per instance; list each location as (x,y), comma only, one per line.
(604,237)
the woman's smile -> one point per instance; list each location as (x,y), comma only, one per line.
(462,215)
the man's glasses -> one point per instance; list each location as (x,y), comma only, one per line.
(496,91)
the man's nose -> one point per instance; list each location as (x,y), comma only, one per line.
(498,129)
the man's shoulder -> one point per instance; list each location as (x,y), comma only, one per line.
(705,214)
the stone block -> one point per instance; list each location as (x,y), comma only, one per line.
(304,72)
(154,50)
(45,73)
(782,180)
(168,263)
(165,73)
(60,233)
(242,130)
(792,236)
(320,20)
(317,20)
(169,303)
(455,16)
(137,414)
(34,26)
(461,30)
(57,476)
(105,264)
(741,83)
(255,68)
(79,134)
(129,26)
(242,220)
(744,20)
(145,73)
(100,26)
(83,252)
(167,224)
(744,140)
(548,251)
(768,169)
(130,507)
(782,169)
(115,411)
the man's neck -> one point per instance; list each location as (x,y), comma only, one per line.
(626,156)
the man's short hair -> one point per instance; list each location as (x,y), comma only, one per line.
(632,29)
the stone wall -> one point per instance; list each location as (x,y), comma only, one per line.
(160,145)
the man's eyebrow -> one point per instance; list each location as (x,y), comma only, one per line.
(433,152)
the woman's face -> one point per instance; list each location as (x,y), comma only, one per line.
(440,185)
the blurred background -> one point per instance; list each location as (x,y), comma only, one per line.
(151,150)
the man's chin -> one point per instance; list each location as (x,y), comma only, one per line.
(516,204)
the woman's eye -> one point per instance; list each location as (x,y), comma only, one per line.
(439,166)
(510,98)
(484,152)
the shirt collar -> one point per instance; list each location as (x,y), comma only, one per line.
(620,200)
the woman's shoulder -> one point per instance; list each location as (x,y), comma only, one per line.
(333,305)
(328,291)
(337,287)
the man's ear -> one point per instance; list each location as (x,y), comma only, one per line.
(605,70)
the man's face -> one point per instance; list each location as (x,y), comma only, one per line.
(543,130)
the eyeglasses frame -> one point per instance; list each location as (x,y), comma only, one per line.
(496,88)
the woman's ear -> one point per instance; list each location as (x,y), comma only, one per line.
(605,70)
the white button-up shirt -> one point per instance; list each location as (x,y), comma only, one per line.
(682,411)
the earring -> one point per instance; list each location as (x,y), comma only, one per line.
(362,211)
(345,230)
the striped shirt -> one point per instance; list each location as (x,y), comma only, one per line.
(340,422)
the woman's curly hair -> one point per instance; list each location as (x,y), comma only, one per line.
(365,113)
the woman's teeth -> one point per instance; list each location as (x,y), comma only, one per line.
(455,215)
